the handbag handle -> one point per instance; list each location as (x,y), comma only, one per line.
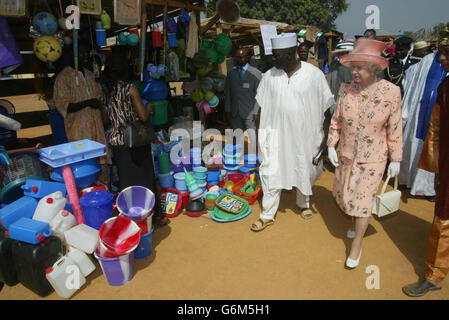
(386,184)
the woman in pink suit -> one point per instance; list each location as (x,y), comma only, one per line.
(367,126)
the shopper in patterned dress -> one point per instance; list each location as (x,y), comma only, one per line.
(367,126)
(123,105)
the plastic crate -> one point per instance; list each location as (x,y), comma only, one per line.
(67,153)
(250,197)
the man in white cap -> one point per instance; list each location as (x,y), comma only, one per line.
(421,49)
(338,73)
(293,97)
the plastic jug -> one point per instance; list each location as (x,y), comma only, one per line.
(49,206)
(31,261)
(40,188)
(29,230)
(8,273)
(62,222)
(82,260)
(65,277)
(82,237)
(21,208)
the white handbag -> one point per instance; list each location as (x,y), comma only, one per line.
(387,203)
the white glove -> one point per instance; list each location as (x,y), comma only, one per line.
(394,168)
(332,156)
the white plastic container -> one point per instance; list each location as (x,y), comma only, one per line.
(82,260)
(65,277)
(62,222)
(82,237)
(49,206)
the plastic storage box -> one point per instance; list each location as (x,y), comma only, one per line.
(82,237)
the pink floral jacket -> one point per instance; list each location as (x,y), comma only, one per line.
(368,123)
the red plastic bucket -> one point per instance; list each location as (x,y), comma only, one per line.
(118,236)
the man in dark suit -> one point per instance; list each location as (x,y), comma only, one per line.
(400,62)
(241,87)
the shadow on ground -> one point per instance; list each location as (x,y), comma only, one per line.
(407,232)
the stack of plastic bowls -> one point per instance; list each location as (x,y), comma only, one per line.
(180,182)
(232,157)
(210,200)
(213,177)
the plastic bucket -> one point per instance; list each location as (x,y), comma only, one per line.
(118,236)
(118,270)
(145,225)
(97,207)
(180,182)
(166,180)
(135,202)
(200,172)
(145,246)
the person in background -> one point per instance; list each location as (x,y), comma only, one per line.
(367,127)
(400,61)
(435,158)
(77,99)
(370,34)
(339,73)
(123,104)
(304,53)
(294,99)
(421,49)
(240,92)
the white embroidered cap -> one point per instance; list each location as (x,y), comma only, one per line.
(283,41)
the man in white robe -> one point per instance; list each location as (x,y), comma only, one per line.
(420,182)
(293,97)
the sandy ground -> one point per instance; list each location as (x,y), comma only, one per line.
(198,258)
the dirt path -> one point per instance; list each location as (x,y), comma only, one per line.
(198,258)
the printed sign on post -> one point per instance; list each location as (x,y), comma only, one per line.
(268,31)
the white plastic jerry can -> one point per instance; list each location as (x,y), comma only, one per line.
(65,277)
(62,222)
(82,237)
(49,206)
(82,260)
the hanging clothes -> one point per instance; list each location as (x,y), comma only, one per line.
(420,182)
(193,44)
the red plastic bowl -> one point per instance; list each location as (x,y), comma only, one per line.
(120,235)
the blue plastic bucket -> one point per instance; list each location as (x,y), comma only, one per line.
(166,180)
(97,207)
(144,249)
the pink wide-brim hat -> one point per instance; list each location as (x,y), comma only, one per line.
(366,51)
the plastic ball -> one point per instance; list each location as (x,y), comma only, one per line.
(47,49)
(45,23)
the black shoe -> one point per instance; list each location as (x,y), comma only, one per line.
(420,288)
(432,199)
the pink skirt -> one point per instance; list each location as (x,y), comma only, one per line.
(356,185)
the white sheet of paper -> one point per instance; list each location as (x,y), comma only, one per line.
(268,31)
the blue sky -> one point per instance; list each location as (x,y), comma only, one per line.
(396,16)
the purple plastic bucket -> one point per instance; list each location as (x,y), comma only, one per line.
(135,202)
(119,270)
